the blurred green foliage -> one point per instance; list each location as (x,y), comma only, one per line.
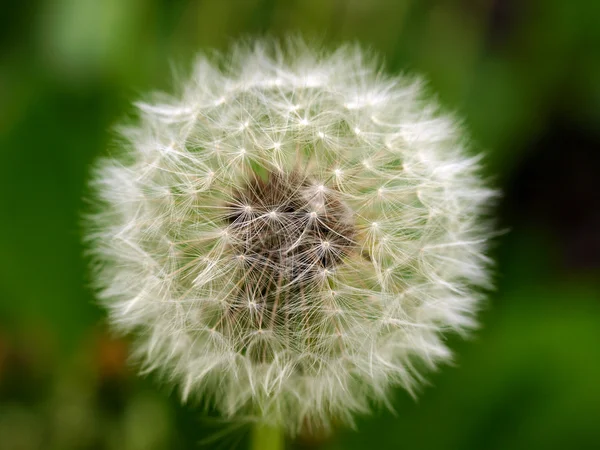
(525,75)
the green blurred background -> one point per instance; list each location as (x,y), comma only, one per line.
(525,75)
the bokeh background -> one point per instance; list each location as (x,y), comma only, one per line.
(524,74)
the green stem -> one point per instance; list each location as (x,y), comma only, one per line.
(265,437)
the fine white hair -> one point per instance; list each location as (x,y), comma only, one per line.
(291,234)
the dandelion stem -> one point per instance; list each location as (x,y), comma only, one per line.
(266,437)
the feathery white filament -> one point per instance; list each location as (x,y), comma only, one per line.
(291,235)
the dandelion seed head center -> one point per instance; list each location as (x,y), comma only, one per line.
(285,240)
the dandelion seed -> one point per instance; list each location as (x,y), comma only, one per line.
(292,280)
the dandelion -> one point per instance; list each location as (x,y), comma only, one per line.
(291,235)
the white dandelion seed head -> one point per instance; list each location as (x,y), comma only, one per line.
(291,235)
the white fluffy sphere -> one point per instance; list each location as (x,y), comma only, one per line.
(291,234)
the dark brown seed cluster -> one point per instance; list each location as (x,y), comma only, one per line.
(289,229)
